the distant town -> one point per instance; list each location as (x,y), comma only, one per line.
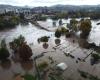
(92,11)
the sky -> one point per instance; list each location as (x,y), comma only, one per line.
(35,3)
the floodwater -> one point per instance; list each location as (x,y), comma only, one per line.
(31,33)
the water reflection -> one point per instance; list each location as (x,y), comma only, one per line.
(83,43)
(27,65)
(45,45)
(57,41)
(6,64)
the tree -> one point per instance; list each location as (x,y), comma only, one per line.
(19,40)
(8,22)
(64,30)
(15,44)
(85,27)
(73,23)
(43,39)
(15,20)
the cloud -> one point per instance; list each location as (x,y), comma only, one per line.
(49,2)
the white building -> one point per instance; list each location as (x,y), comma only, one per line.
(62,66)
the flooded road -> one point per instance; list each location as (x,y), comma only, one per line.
(32,33)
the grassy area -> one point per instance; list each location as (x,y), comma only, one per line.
(42,65)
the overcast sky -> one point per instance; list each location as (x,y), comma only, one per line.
(49,2)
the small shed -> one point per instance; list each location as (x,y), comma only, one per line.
(62,66)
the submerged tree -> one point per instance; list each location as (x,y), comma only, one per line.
(21,48)
(73,24)
(15,44)
(62,31)
(43,39)
(85,27)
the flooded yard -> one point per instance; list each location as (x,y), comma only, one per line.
(31,33)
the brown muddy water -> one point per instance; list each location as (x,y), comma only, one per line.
(31,33)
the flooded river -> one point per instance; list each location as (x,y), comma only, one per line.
(32,33)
